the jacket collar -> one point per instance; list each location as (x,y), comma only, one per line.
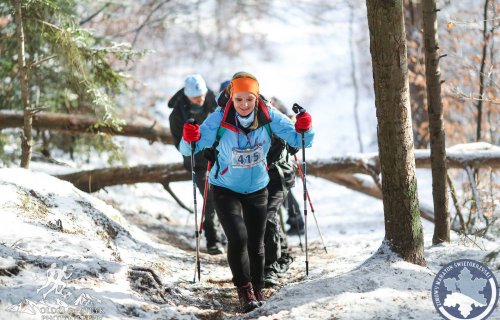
(228,119)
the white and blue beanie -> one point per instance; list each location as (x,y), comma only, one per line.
(195,86)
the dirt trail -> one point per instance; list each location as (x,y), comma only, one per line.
(213,297)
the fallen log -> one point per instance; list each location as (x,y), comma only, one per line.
(369,163)
(85,124)
(94,180)
(341,170)
(462,159)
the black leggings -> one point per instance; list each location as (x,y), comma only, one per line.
(243,218)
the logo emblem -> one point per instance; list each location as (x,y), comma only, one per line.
(465,289)
(59,305)
(54,278)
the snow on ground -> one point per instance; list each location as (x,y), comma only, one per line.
(136,258)
(47,222)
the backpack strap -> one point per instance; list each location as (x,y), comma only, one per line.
(220,133)
(268,129)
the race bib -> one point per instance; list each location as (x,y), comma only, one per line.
(247,158)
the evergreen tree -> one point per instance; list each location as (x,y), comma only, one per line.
(68,69)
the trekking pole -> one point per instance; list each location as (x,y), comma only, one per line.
(205,194)
(196,232)
(310,204)
(299,110)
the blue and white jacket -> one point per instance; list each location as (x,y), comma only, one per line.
(233,176)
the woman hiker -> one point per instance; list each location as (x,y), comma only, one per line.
(241,133)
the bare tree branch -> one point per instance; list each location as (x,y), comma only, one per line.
(92,16)
(146,20)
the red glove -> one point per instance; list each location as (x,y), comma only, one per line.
(304,122)
(191,132)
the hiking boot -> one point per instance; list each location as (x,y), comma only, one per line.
(215,249)
(284,263)
(270,279)
(247,298)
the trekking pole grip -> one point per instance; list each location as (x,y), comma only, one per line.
(298,109)
(193,144)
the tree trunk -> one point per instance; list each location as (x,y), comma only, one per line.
(85,124)
(353,76)
(481,71)
(395,139)
(26,138)
(416,74)
(436,127)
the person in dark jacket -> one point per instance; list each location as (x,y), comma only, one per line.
(196,101)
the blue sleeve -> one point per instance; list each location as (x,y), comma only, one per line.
(208,132)
(283,127)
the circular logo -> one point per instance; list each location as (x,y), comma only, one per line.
(465,289)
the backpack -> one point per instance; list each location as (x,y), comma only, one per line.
(280,162)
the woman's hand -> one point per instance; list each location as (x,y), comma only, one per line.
(304,122)
(191,132)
